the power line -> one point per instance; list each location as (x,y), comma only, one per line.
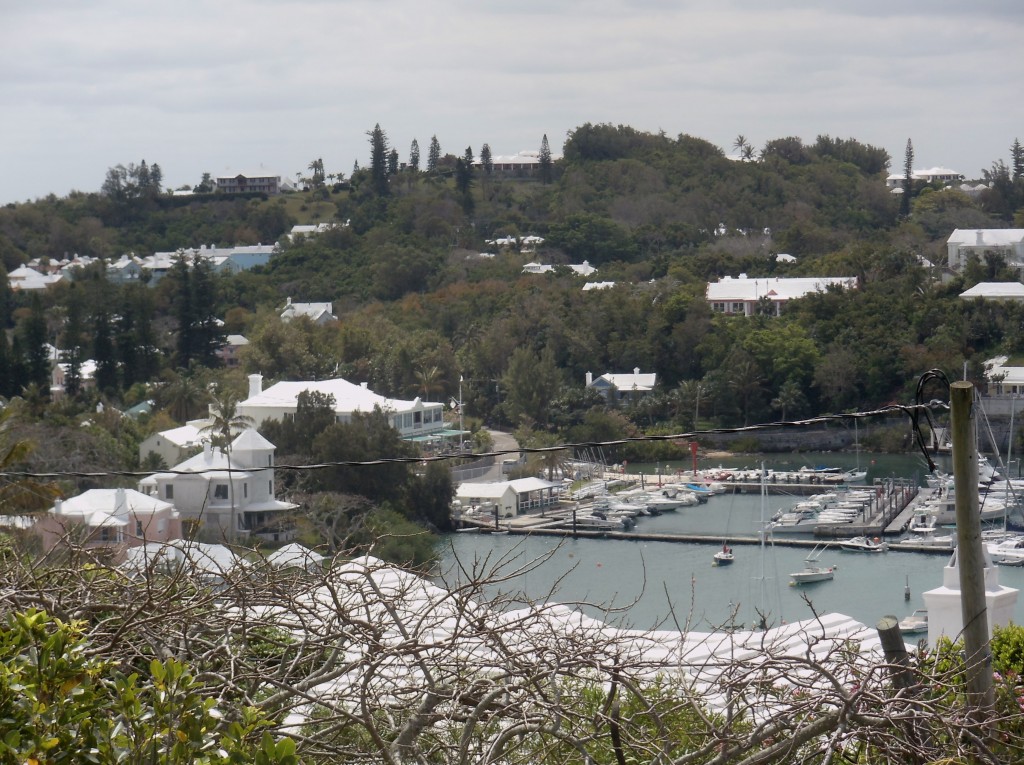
(912,411)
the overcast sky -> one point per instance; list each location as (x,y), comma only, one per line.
(249,84)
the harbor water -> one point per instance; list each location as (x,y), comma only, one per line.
(645,584)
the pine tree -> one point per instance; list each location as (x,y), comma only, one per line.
(379,160)
(1017,161)
(414,156)
(908,180)
(546,165)
(103,351)
(208,335)
(72,354)
(393,162)
(485,159)
(33,343)
(433,155)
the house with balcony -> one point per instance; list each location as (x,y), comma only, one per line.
(109,519)
(258,181)
(227,494)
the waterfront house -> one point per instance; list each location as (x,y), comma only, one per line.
(747,297)
(509,498)
(111,519)
(415,420)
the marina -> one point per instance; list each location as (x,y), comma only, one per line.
(664,569)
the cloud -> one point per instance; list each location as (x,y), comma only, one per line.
(200,86)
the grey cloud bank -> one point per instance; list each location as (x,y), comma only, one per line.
(238,85)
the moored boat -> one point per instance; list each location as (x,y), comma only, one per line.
(813,570)
(916,623)
(724,557)
(863,544)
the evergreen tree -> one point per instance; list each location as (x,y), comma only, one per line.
(414,156)
(8,367)
(433,154)
(393,162)
(33,342)
(103,351)
(156,178)
(464,172)
(379,160)
(208,335)
(181,299)
(485,159)
(1017,161)
(72,353)
(546,165)
(908,179)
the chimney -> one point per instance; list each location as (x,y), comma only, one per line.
(364,385)
(255,385)
(980,236)
(207,451)
(120,503)
(58,506)
(590,379)
(636,370)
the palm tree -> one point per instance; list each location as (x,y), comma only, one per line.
(183,397)
(428,380)
(224,422)
(19,495)
(790,398)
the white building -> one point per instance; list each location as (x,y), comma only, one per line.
(318,313)
(227,495)
(508,498)
(414,420)
(945,616)
(744,296)
(1013,291)
(109,518)
(962,243)
(624,385)
(929,175)
(25,278)
(176,444)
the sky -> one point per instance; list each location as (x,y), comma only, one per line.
(268,85)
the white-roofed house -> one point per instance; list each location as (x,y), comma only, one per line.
(318,313)
(253,181)
(745,296)
(962,243)
(414,420)
(25,278)
(229,352)
(623,385)
(109,518)
(176,444)
(228,495)
(1013,291)
(59,374)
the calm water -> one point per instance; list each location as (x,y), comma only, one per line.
(662,582)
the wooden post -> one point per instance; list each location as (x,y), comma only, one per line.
(895,650)
(969,552)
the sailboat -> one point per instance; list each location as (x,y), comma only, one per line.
(852,476)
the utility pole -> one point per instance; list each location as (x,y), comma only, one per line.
(969,552)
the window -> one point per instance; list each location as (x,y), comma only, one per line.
(220,491)
(169,491)
(245,490)
(270,487)
(138,528)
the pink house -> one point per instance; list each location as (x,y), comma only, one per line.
(109,518)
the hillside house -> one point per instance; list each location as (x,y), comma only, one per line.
(748,297)
(962,243)
(259,181)
(114,519)
(629,385)
(1006,291)
(415,420)
(318,313)
(227,495)
(177,444)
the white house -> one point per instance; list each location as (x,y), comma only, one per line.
(625,385)
(176,444)
(25,278)
(1013,291)
(743,295)
(962,243)
(929,175)
(227,495)
(414,420)
(318,313)
(109,518)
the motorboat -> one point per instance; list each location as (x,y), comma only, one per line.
(724,557)
(813,570)
(1008,552)
(863,544)
(916,623)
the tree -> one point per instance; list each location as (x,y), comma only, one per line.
(546,166)
(33,336)
(433,154)
(182,396)
(414,156)
(205,185)
(464,179)
(393,162)
(379,161)
(225,422)
(317,168)
(24,494)
(908,180)
(532,381)
(486,161)
(790,399)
